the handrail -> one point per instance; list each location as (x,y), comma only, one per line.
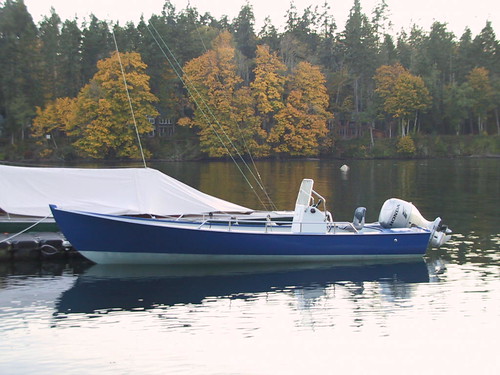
(202,224)
(267,224)
(334,225)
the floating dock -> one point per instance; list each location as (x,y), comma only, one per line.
(35,246)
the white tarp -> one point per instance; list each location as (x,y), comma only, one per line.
(121,191)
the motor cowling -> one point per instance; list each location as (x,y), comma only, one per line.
(397,213)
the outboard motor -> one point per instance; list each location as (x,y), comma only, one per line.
(397,213)
(359,218)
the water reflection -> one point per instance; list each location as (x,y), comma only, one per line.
(131,288)
(58,318)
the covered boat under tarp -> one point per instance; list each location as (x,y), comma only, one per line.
(28,191)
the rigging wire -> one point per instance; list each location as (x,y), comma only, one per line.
(259,181)
(129,100)
(203,112)
(190,87)
(247,149)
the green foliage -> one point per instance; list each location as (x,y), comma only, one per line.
(406,146)
(355,149)
(481,95)
(19,68)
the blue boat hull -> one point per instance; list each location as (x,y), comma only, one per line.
(108,239)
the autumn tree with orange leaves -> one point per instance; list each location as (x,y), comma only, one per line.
(100,119)
(104,124)
(57,117)
(404,95)
(224,109)
(268,87)
(301,123)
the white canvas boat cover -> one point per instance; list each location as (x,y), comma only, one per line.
(121,191)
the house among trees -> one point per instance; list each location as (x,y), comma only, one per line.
(163,127)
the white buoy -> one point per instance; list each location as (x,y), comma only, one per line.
(344,168)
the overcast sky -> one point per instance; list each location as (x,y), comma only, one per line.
(403,13)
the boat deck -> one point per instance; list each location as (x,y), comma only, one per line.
(268,226)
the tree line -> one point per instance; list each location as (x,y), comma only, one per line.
(230,86)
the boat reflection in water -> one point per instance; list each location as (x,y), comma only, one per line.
(106,288)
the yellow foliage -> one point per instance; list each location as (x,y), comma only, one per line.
(403,93)
(480,83)
(386,77)
(224,112)
(185,121)
(406,146)
(45,153)
(269,84)
(57,115)
(104,124)
(302,122)
(100,117)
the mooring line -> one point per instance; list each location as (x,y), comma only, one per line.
(24,230)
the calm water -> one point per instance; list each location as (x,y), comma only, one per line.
(440,315)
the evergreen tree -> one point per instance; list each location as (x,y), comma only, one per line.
(244,34)
(457,105)
(388,54)
(268,35)
(359,42)
(50,37)
(96,45)
(410,50)
(465,56)
(328,46)
(71,71)
(440,47)
(300,40)
(127,38)
(486,48)
(20,69)
(403,50)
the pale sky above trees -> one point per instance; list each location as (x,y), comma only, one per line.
(457,14)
